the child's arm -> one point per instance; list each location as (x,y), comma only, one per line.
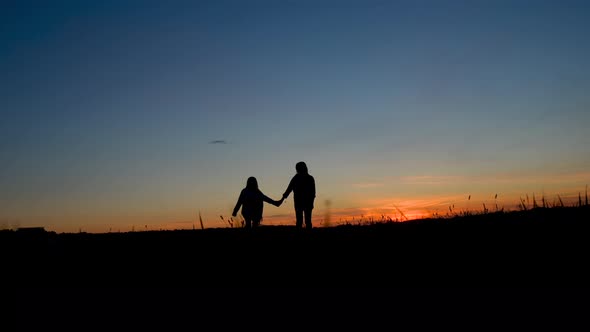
(238,204)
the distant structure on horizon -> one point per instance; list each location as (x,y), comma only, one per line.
(31,230)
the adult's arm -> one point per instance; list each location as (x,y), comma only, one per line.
(289,188)
(270,200)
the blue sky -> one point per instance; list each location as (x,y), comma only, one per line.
(109,108)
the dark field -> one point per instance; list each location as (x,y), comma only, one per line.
(534,248)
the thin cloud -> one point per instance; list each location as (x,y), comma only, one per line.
(506,178)
(365,185)
(431,179)
(218,141)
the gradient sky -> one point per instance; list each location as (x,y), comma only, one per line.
(108,108)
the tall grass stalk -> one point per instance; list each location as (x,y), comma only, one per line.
(496,202)
(401,213)
(560,201)
(523,205)
(543,201)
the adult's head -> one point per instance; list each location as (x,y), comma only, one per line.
(301,168)
(252,183)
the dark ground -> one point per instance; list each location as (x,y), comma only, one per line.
(535,248)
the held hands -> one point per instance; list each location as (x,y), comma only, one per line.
(282,199)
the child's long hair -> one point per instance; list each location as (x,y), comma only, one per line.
(252,184)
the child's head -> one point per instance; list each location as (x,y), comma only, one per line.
(252,183)
(301,168)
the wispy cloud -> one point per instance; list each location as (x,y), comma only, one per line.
(365,185)
(431,179)
(555,178)
(414,203)
(503,178)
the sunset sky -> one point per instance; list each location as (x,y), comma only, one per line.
(126,114)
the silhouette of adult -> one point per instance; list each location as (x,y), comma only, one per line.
(251,201)
(303,187)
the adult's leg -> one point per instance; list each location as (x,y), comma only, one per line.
(299,218)
(255,223)
(308,218)
(248,222)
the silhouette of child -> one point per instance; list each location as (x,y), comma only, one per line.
(252,201)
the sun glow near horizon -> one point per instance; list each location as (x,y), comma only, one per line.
(396,209)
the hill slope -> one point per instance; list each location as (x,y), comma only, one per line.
(540,247)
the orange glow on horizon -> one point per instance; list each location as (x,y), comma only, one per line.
(366,211)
